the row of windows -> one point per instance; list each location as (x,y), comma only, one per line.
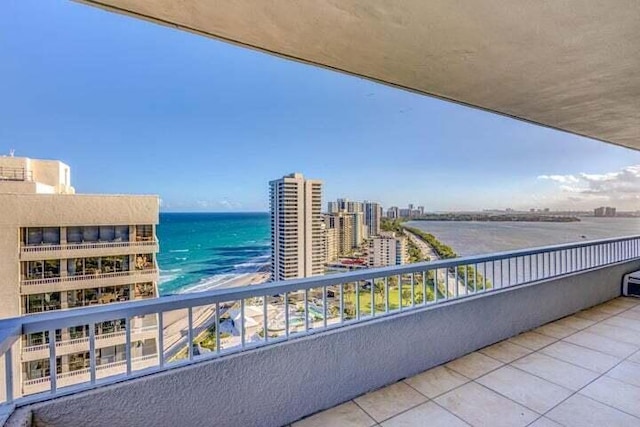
(85,266)
(86,234)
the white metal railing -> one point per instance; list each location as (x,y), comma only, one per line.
(87,245)
(232,320)
(68,279)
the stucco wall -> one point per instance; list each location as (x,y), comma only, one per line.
(276,385)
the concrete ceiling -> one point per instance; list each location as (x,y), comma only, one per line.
(572,65)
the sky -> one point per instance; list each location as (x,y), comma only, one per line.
(134,107)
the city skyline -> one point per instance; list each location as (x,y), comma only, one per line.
(92,88)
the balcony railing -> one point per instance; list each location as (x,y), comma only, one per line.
(86,245)
(15,174)
(67,279)
(254,316)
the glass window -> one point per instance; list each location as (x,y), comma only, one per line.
(33,270)
(75,267)
(144,261)
(52,268)
(91,265)
(78,361)
(74,234)
(90,296)
(76,332)
(35,303)
(51,235)
(144,290)
(107,233)
(75,298)
(40,368)
(34,235)
(144,233)
(122,233)
(108,264)
(90,234)
(52,301)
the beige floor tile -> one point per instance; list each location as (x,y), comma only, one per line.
(544,422)
(436,381)
(611,307)
(480,406)
(616,333)
(602,344)
(428,415)
(593,314)
(580,411)
(556,371)
(625,302)
(526,389)
(346,415)
(386,402)
(574,322)
(635,357)
(474,365)
(627,372)
(505,351)
(555,331)
(630,314)
(614,393)
(582,356)
(623,322)
(532,340)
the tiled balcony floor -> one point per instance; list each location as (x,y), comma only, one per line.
(583,370)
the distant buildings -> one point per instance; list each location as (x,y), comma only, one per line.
(604,211)
(393,212)
(372,216)
(387,249)
(297,234)
(409,212)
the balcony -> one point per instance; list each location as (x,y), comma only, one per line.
(511,334)
(67,283)
(15,174)
(85,249)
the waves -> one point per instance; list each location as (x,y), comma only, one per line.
(178,251)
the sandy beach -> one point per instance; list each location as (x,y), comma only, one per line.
(176,322)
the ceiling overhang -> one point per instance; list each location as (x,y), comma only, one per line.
(572,65)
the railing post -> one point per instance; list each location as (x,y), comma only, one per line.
(8,373)
(92,352)
(53,365)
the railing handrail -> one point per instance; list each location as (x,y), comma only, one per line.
(56,319)
(85,245)
(80,277)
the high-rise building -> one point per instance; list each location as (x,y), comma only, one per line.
(297,237)
(372,217)
(359,229)
(60,250)
(604,211)
(330,241)
(344,234)
(387,249)
(332,207)
(393,212)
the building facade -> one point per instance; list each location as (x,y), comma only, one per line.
(62,250)
(297,236)
(372,217)
(387,249)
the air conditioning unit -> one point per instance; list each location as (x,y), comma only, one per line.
(631,284)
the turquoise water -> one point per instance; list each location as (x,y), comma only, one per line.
(201,251)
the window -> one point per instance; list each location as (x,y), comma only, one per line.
(78,361)
(144,233)
(122,233)
(144,290)
(74,234)
(40,368)
(107,233)
(144,261)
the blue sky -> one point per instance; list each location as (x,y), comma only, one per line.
(135,107)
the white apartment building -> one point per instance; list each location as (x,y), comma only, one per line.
(331,243)
(60,250)
(387,249)
(297,237)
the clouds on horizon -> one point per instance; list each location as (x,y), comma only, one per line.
(620,188)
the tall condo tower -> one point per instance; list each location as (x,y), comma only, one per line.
(372,217)
(297,238)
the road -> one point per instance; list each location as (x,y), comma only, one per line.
(428,251)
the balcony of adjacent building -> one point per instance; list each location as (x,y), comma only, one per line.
(91,272)
(75,242)
(505,339)
(15,174)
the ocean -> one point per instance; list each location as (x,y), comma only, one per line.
(471,238)
(202,251)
